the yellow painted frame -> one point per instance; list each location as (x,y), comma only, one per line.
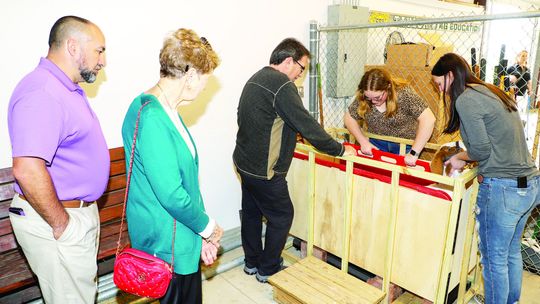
(458,184)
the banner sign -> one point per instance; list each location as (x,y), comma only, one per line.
(379,17)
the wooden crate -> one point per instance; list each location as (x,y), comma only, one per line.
(313,281)
(412,238)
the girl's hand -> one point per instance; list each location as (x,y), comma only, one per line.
(456,163)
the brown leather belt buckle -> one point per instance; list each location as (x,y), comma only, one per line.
(480,178)
(75,204)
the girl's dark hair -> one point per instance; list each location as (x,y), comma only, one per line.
(463,78)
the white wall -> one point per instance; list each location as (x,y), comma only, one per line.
(243,32)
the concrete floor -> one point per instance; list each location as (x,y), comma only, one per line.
(235,287)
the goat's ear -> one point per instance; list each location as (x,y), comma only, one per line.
(447,169)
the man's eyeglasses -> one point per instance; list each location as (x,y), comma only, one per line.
(376,98)
(301,66)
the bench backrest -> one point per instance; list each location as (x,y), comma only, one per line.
(111,205)
(7,240)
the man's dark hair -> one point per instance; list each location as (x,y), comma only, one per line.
(289,47)
(61,28)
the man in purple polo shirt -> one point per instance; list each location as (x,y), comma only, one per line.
(60,163)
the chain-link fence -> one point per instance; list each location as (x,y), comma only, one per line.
(408,49)
(354,41)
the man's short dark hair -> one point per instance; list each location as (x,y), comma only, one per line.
(289,47)
(61,28)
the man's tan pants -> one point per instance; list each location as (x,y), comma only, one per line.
(66,268)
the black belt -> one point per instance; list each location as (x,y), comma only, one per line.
(521,180)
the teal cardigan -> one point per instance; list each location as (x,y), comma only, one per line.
(164,185)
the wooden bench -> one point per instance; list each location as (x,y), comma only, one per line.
(311,280)
(17,282)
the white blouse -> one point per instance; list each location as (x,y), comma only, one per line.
(173,115)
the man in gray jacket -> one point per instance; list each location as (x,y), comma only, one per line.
(270,114)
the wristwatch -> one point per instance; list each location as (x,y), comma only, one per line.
(412,152)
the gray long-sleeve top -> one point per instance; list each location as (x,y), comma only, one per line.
(493,136)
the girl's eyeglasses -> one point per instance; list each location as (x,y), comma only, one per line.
(376,98)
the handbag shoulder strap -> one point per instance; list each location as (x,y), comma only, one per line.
(127,188)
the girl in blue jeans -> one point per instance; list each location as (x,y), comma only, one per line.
(491,130)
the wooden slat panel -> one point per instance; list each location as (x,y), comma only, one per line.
(6,175)
(293,291)
(6,191)
(409,298)
(111,199)
(15,272)
(4,205)
(107,245)
(16,281)
(116,154)
(328,283)
(7,242)
(110,213)
(22,296)
(108,239)
(116,182)
(117,167)
(111,228)
(7,239)
(5,227)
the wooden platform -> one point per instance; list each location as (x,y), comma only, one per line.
(409,298)
(314,281)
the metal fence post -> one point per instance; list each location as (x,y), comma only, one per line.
(314,50)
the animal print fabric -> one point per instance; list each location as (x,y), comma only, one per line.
(404,122)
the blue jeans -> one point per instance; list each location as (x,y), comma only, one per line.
(501,214)
(387,146)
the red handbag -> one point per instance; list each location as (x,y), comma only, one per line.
(141,274)
(135,271)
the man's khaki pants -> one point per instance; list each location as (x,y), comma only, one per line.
(66,268)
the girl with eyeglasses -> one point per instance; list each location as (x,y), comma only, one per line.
(388,106)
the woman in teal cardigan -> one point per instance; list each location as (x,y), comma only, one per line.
(165,180)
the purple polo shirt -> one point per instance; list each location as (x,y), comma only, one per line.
(49,117)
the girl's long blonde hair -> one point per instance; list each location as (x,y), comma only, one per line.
(379,80)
